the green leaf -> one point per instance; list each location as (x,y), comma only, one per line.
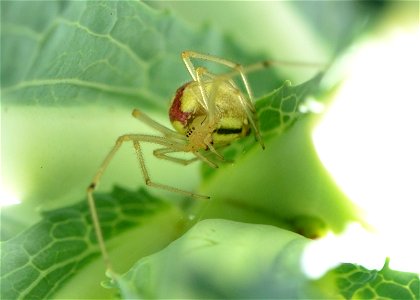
(289,160)
(281,108)
(39,261)
(356,282)
(76,70)
(71,72)
(222,259)
(285,183)
(89,52)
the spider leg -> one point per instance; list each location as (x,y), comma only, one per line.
(206,160)
(163,154)
(210,107)
(237,67)
(204,101)
(250,111)
(227,77)
(135,139)
(149,182)
(155,125)
(197,75)
(203,156)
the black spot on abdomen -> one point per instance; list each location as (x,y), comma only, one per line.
(229,130)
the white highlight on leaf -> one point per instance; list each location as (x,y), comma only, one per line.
(311,105)
(353,246)
(8,197)
(369,142)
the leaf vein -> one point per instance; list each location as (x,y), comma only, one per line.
(119,44)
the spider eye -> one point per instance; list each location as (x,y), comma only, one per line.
(189,131)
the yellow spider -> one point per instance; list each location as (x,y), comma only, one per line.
(207,113)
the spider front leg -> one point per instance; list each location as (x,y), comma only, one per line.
(135,139)
(149,182)
(186,55)
(162,153)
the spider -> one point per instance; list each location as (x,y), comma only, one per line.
(207,113)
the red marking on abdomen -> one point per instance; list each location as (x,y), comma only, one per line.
(175,112)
